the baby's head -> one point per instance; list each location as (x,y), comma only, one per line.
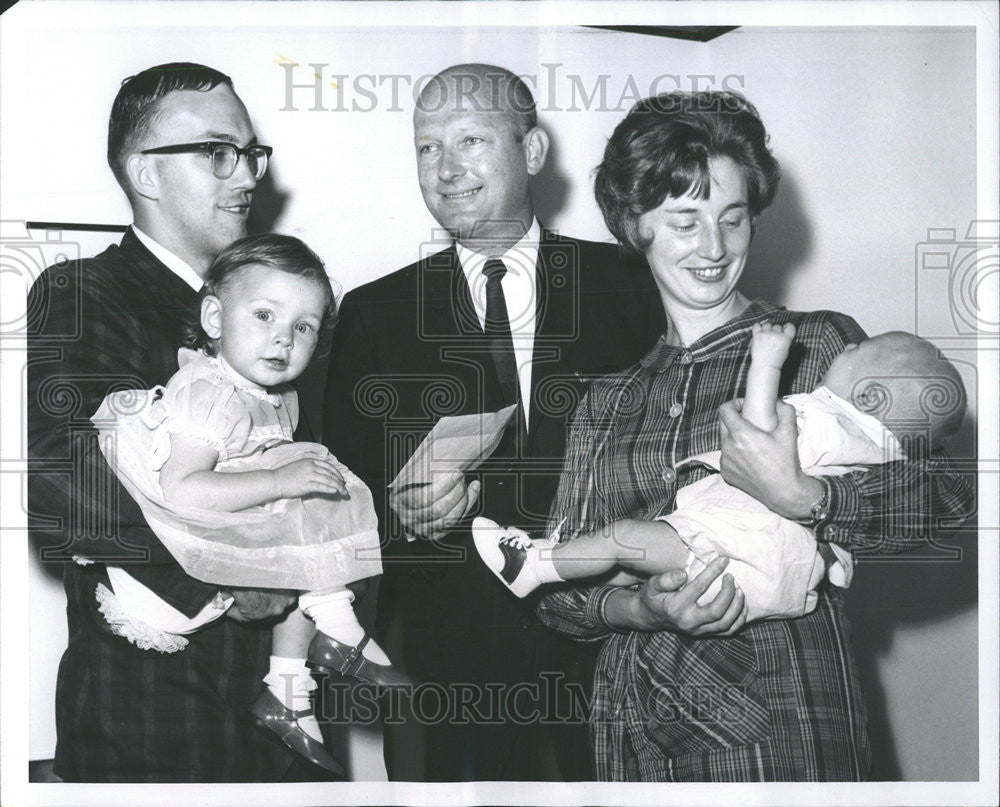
(265,302)
(902,380)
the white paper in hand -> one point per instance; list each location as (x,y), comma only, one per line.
(458,443)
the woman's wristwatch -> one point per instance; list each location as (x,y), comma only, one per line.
(820,511)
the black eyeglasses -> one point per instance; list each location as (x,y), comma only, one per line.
(224,156)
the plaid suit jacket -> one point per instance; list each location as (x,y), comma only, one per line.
(107,323)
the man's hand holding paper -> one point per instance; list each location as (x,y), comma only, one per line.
(432,509)
(430,495)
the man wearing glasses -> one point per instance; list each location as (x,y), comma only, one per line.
(181,146)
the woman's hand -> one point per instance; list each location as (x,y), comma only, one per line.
(309,475)
(670,602)
(766,464)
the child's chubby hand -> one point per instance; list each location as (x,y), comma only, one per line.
(770,343)
(309,475)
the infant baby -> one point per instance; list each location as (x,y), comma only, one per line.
(875,398)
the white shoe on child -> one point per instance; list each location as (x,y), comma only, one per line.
(510,554)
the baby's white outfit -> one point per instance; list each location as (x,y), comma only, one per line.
(777,562)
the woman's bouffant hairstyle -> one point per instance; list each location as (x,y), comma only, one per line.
(282,252)
(662,148)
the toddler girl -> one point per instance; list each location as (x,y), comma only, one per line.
(210,461)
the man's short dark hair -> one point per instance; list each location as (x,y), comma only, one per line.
(662,148)
(135,108)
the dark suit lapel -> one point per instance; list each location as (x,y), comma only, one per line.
(556,285)
(164,286)
(449,318)
(447,304)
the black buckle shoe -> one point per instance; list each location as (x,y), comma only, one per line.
(273,715)
(329,655)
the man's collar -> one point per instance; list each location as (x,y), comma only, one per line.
(524,253)
(176,265)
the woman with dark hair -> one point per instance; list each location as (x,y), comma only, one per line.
(684,690)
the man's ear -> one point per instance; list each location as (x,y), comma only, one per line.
(142,176)
(211,316)
(536,148)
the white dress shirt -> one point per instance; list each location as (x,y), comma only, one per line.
(171,261)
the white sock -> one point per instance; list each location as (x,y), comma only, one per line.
(541,561)
(290,682)
(333,614)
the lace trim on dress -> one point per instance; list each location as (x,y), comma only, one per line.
(213,442)
(244,384)
(265,435)
(137,632)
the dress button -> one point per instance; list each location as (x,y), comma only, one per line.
(686,357)
(675,410)
(669,475)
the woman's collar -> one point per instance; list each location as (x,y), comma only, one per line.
(663,352)
(738,306)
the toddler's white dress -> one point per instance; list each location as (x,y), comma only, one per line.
(305,544)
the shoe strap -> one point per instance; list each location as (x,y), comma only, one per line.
(354,655)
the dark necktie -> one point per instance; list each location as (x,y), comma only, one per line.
(498,329)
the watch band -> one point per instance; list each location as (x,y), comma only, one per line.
(820,511)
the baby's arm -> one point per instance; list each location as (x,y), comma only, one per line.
(646,547)
(769,346)
(188,476)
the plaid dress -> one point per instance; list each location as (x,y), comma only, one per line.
(781,699)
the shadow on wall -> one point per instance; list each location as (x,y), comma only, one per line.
(918,588)
(934,582)
(550,188)
(783,242)
(269,202)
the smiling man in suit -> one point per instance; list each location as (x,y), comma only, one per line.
(508,312)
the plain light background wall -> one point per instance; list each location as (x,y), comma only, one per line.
(875,129)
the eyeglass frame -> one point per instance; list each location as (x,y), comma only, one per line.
(209,147)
